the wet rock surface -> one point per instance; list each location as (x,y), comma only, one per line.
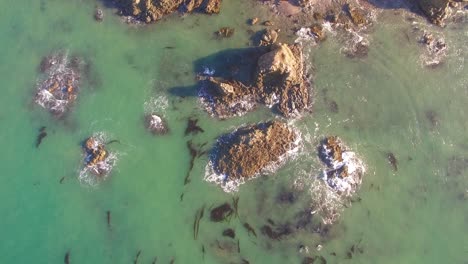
(248,151)
(154,10)
(156,124)
(344,170)
(96,156)
(436,49)
(58,88)
(279,82)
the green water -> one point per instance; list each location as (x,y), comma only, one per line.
(418,214)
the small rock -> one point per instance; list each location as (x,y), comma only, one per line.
(225,32)
(98,15)
(253,21)
(156,124)
(268,23)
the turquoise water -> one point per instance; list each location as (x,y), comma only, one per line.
(417,214)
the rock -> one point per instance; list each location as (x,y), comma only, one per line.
(318,32)
(225,32)
(98,15)
(225,99)
(268,23)
(253,21)
(153,10)
(436,49)
(96,155)
(435,10)
(345,169)
(58,89)
(268,37)
(212,6)
(156,125)
(357,16)
(248,151)
(279,81)
(280,73)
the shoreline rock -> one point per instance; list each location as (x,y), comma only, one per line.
(149,11)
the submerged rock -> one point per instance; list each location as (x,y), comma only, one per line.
(96,159)
(156,124)
(153,10)
(280,81)
(252,150)
(345,169)
(436,49)
(59,88)
(225,32)
(98,15)
(435,10)
(268,36)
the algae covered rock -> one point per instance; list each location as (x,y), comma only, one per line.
(435,10)
(252,150)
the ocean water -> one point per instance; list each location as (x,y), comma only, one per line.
(416,214)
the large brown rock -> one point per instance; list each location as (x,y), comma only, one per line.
(153,10)
(249,150)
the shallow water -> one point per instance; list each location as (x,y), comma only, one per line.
(417,214)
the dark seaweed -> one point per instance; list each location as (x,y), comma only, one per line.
(136,257)
(244,261)
(229,233)
(250,229)
(154,260)
(61,180)
(277,234)
(193,154)
(221,212)
(333,107)
(314,260)
(42,134)
(66,260)
(235,204)
(192,127)
(108,214)
(196,223)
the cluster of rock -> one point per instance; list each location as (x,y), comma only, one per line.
(280,81)
(153,10)
(344,169)
(436,49)
(249,151)
(59,88)
(96,156)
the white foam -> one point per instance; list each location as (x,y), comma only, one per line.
(157,104)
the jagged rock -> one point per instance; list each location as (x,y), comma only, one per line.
(436,49)
(280,74)
(156,124)
(268,23)
(225,32)
(268,37)
(98,15)
(253,21)
(225,99)
(345,169)
(435,10)
(318,32)
(96,155)
(153,10)
(248,151)
(280,81)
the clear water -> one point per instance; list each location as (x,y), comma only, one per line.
(418,214)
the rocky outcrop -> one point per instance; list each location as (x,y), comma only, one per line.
(280,75)
(153,10)
(248,151)
(279,82)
